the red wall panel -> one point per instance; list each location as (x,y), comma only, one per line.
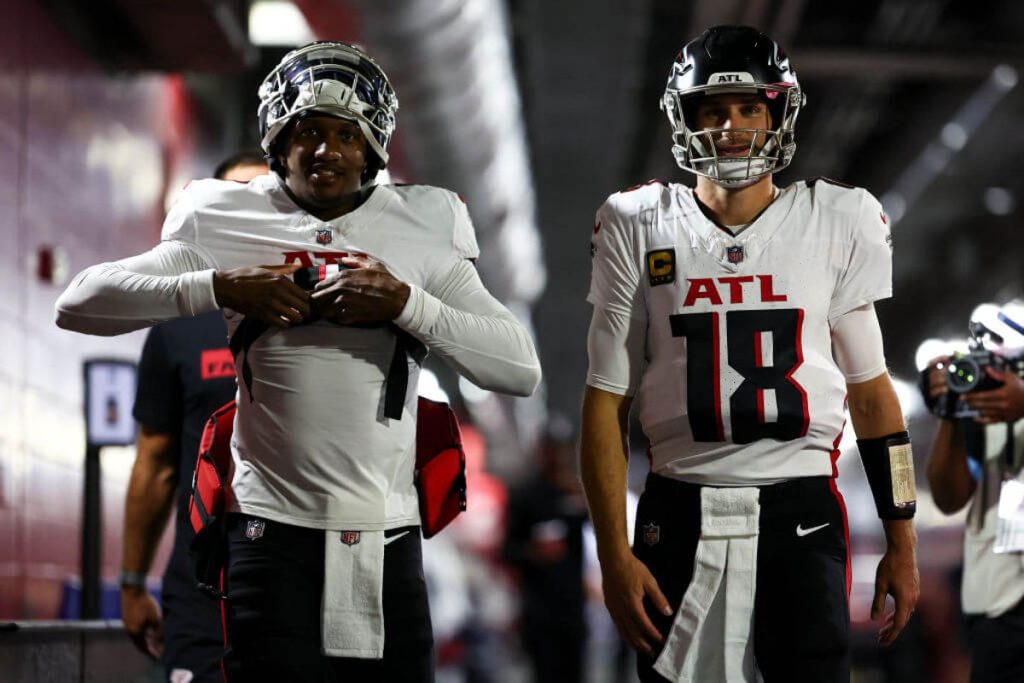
(85,168)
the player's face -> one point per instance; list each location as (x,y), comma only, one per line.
(729,114)
(324,158)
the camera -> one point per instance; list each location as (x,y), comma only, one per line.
(966,372)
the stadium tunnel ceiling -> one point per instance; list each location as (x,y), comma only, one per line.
(884,80)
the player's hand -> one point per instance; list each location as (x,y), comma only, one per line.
(1002,404)
(896,576)
(142,620)
(626,583)
(365,292)
(263,292)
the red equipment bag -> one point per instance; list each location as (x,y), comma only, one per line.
(208,501)
(440,466)
(440,482)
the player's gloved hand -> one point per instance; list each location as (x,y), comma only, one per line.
(142,620)
(364,293)
(1003,404)
(626,583)
(896,576)
(263,292)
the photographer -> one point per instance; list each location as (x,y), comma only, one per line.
(976,450)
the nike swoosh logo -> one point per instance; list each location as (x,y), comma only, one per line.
(800,531)
(392,539)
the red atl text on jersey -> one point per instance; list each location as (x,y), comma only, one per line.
(317,258)
(732,286)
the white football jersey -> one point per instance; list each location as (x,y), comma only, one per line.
(739,385)
(312,448)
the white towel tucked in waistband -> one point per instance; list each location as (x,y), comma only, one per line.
(352,620)
(711,638)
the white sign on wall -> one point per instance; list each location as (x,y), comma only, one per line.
(109,398)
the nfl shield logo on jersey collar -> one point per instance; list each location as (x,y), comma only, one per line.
(324,236)
(734,254)
(254,529)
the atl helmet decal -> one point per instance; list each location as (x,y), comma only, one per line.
(723,60)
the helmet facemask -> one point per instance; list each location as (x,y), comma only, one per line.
(334,79)
(730,60)
(771,150)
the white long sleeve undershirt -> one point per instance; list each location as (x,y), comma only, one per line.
(464,324)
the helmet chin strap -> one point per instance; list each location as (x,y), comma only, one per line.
(731,173)
(739,172)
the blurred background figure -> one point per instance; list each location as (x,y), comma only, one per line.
(478,536)
(546,514)
(185,373)
(975,461)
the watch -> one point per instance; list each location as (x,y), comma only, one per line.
(131,579)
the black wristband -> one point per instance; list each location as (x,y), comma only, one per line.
(889,466)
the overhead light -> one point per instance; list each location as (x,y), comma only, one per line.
(278,22)
(954,136)
(999,201)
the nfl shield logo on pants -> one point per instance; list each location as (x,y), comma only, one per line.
(254,529)
(350,537)
(652,533)
(734,254)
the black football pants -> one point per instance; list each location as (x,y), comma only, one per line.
(997,647)
(801,608)
(274,585)
(193,634)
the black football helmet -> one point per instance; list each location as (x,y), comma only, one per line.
(730,59)
(333,78)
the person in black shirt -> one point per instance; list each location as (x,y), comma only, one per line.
(545,544)
(185,373)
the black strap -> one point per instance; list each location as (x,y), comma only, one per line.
(395,384)
(247,332)
(397,381)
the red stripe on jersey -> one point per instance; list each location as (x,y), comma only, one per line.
(846,532)
(716,379)
(322,273)
(834,455)
(800,361)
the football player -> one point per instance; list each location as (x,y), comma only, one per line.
(324,575)
(741,315)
